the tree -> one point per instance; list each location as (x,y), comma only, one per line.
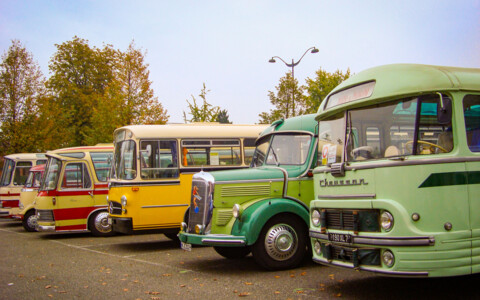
(321,86)
(204,113)
(81,75)
(21,85)
(223,117)
(286,105)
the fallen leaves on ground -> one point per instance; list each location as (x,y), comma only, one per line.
(245,294)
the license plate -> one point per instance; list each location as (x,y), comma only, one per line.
(109,221)
(340,238)
(185,246)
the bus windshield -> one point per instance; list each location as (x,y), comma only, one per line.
(400,128)
(125,163)
(7,172)
(282,149)
(52,174)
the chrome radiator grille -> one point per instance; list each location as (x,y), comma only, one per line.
(45,215)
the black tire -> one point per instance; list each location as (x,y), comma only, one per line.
(98,224)
(233,252)
(29,221)
(282,243)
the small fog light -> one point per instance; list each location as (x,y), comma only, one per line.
(317,247)
(123,199)
(198,229)
(315,217)
(386,221)
(388,258)
(237,211)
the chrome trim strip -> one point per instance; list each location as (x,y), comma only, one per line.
(359,196)
(384,272)
(171,205)
(262,180)
(407,162)
(219,242)
(381,241)
(45,228)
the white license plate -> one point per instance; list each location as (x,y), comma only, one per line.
(185,246)
(109,221)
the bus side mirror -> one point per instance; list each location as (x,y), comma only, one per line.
(444,111)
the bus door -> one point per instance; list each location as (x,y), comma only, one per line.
(160,205)
(75,198)
(471,111)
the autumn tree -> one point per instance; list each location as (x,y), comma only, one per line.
(205,112)
(288,101)
(319,87)
(21,86)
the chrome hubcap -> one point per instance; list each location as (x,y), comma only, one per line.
(32,221)
(281,242)
(101,222)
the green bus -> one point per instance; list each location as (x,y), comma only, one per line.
(262,209)
(398,175)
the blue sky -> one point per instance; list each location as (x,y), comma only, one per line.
(227,44)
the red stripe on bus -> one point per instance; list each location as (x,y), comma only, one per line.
(72,213)
(9,195)
(10,203)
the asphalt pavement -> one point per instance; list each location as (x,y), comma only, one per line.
(79,266)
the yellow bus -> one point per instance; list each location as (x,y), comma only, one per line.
(74,188)
(151,181)
(14,175)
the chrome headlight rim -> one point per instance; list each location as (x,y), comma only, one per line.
(315,216)
(123,200)
(386,221)
(388,258)
(237,211)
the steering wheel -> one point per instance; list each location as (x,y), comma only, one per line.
(409,146)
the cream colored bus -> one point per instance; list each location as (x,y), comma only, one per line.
(151,181)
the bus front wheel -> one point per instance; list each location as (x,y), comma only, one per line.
(282,243)
(30,221)
(98,224)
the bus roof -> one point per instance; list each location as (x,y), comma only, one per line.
(392,81)
(80,150)
(299,123)
(37,168)
(26,156)
(194,130)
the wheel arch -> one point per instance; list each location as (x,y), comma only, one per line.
(256,216)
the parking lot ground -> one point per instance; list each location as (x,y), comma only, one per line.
(80,266)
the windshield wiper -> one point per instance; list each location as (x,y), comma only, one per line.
(275,156)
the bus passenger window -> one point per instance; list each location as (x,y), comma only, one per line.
(76,177)
(158,159)
(471,114)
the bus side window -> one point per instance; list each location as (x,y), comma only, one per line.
(76,177)
(471,113)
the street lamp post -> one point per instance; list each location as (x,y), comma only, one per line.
(292,65)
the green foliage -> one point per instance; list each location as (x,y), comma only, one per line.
(288,101)
(21,85)
(204,113)
(317,89)
(223,117)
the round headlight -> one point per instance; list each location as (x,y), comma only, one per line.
(388,258)
(317,247)
(386,221)
(123,199)
(237,211)
(315,217)
(198,229)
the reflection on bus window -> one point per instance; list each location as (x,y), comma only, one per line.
(7,172)
(248,150)
(125,162)
(101,164)
(331,140)
(21,172)
(471,111)
(288,149)
(51,175)
(261,151)
(158,159)
(389,130)
(197,153)
(76,177)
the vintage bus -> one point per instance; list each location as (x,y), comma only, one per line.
(153,167)
(74,189)
(27,196)
(14,174)
(398,176)
(263,209)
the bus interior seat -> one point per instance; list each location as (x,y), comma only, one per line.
(392,151)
